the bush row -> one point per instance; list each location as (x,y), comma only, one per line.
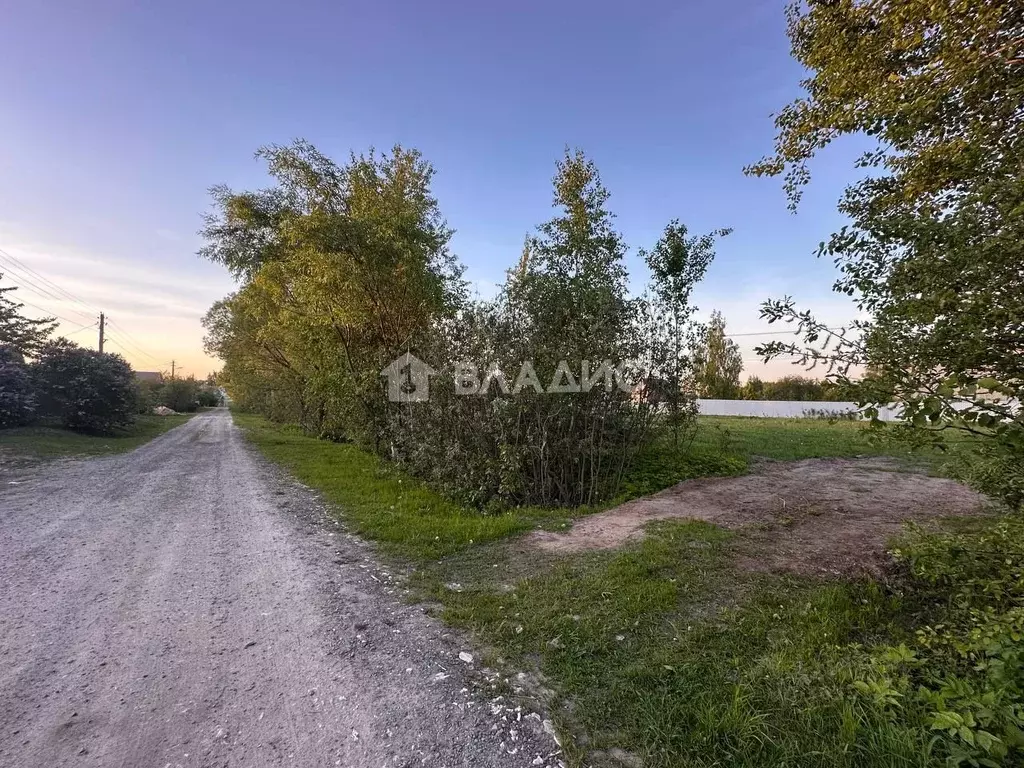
(69,386)
(87,391)
(181,395)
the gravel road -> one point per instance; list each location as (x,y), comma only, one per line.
(188,604)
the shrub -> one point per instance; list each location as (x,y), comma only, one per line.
(17,398)
(962,678)
(148,397)
(84,390)
(181,395)
(993,470)
(209,398)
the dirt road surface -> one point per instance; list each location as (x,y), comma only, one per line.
(189,605)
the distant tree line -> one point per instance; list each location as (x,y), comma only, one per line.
(798,388)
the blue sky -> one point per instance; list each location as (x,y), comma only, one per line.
(118,116)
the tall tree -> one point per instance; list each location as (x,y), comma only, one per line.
(676,263)
(717,362)
(343,267)
(935,252)
(570,289)
(22,334)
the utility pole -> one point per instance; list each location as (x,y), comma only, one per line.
(101,331)
(172,370)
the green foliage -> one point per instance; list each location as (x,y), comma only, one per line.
(209,398)
(564,305)
(718,364)
(992,470)
(677,263)
(964,672)
(18,332)
(181,395)
(343,267)
(83,390)
(793,388)
(934,250)
(17,396)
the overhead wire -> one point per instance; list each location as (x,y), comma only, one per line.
(27,285)
(132,343)
(48,313)
(64,292)
(46,288)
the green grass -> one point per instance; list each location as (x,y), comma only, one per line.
(404,516)
(726,445)
(665,648)
(35,443)
(411,520)
(667,651)
(789,439)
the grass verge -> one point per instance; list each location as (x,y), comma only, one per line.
(36,443)
(406,518)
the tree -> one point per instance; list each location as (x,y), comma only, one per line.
(753,389)
(677,263)
(181,395)
(84,390)
(934,255)
(718,363)
(564,306)
(17,396)
(343,267)
(21,333)
(565,302)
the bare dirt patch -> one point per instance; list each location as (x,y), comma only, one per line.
(830,516)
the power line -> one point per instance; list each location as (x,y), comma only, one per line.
(132,342)
(119,345)
(147,358)
(28,287)
(48,282)
(48,313)
(83,328)
(47,288)
(26,284)
(131,339)
(778,333)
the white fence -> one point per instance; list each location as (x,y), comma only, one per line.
(785,409)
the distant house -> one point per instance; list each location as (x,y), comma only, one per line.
(150,377)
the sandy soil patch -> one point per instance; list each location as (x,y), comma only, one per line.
(813,516)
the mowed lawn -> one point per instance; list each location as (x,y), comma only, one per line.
(665,652)
(35,443)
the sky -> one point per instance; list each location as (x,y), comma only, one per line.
(117,117)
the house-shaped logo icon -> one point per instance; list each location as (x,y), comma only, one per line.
(408,379)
